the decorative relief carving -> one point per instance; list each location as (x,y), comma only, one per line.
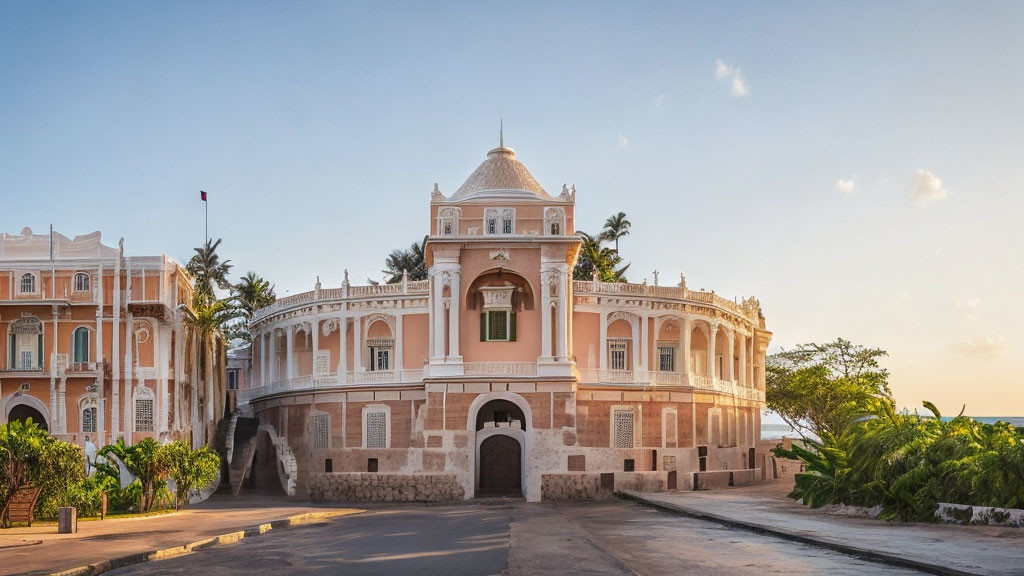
(500,255)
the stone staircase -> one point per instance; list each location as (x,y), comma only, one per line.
(243,448)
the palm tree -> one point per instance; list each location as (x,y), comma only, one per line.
(207,269)
(616,227)
(594,255)
(206,321)
(412,260)
(252,293)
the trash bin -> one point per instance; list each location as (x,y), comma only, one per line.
(67,520)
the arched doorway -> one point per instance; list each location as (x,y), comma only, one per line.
(499,461)
(23,412)
(500,466)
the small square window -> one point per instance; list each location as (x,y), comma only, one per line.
(628,465)
(371,465)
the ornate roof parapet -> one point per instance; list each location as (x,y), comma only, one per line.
(436,195)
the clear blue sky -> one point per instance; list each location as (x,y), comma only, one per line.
(763,149)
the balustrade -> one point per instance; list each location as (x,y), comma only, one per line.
(499,368)
(677,292)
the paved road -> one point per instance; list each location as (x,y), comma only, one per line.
(512,537)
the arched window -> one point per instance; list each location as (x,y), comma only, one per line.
(448,222)
(81,282)
(555,219)
(28,283)
(491,224)
(506,221)
(80,344)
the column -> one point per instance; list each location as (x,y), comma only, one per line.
(274,362)
(743,361)
(545,316)
(342,349)
(603,352)
(561,333)
(357,342)
(263,358)
(684,340)
(54,407)
(316,346)
(399,347)
(437,326)
(289,358)
(644,352)
(453,315)
(728,361)
(163,345)
(100,403)
(712,371)
(129,338)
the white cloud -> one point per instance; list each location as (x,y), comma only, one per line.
(925,188)
(985,347)
(659,100)
(621,142)
(846,187)
(737,82)
(970,306)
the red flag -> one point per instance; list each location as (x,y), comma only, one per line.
(202,195)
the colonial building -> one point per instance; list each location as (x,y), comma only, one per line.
(96,342)
(500,374)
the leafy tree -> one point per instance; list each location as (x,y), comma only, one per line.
(207,270)
(190,469)
(908,463)
(412,260)
(595,256)
(148,463)
(615,227)
(22,445)
(61,475)
(823,388)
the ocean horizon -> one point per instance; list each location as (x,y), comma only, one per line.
(773,430)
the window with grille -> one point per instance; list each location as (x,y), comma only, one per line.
(447,228)
(232,379)
(81,282)
(671,429)
(323,362)
(556,228)
(321,431)
(506,227)
(492,225)
(622,422)
(28,283)
(617,354)
(667,358)
(89,419)
(143,415)
(377,429)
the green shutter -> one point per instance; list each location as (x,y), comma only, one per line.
(483,326)
(512,327)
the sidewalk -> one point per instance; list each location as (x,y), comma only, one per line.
(40,550)
(932,548)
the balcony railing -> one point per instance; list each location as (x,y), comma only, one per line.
(499,368)
(654,378)
(330,380)
(748,308)
(347,291)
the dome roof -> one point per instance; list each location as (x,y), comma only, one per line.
(500,175)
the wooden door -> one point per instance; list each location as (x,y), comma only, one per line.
(500,466)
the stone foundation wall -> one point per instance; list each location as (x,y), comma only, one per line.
(573,487)
(367,487)
(640,481)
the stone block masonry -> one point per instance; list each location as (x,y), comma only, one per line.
(573,487)
(367,487)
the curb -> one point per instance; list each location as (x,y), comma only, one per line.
(229,538)
(863,553)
